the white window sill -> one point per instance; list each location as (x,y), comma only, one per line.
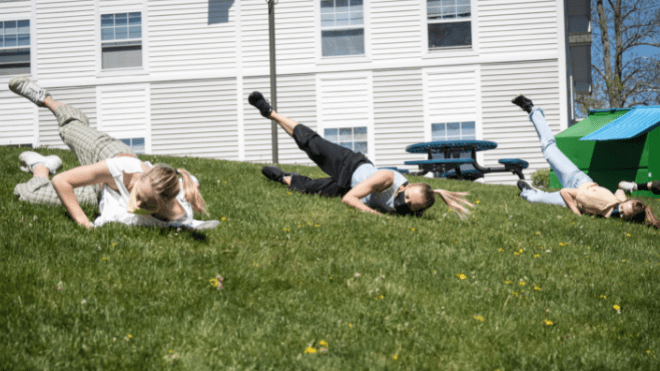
(343,59)
(450,52)
(122,72)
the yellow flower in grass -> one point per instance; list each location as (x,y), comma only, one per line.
(603,297)
(323,343)
(287,230)
(616,307)
(537,255)
(628,234)
(500,250)
(130,336)
(547,322)
(507,282)
(350,325)
(104,258)
(479,318)
(648,351)
(223,219)
(395,357)
(461,276)
(521,283)
(310,350)
(537,288)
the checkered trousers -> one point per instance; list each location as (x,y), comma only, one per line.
(88,144)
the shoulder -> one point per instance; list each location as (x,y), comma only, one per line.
(117,165)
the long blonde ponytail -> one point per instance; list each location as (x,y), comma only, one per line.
(455,201)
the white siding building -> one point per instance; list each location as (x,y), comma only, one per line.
(172,76)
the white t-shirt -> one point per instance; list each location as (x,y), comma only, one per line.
(113,205)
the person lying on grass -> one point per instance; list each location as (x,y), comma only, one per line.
(352,175)
(579,192)
(125,189)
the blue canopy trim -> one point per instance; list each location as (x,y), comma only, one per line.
(639,121)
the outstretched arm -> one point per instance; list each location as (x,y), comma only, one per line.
(64,184)
(569,195)
(378,182)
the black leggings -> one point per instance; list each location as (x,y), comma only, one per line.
(336,161)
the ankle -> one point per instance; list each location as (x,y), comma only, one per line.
(40,170)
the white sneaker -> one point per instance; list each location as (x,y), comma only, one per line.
(628,186)
(22,85)
(29,158)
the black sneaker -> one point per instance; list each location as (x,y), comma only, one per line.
(257,99)
(524,185)
(276,174)
(524,103)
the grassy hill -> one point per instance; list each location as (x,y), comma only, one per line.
(311,284)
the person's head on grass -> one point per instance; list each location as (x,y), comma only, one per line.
(158,187)
(635,210)
(419,197)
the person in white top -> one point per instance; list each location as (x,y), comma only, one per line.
(111,176)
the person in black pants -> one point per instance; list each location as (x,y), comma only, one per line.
(352,175)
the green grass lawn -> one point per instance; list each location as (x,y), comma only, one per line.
(311,284)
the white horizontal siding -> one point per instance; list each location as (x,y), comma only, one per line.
(65,39)
(506,123)
(17,118)
(195,118)
(82,98)
(182,37)
(398,115)
(116,5)
(451,94)
(396,31)
(122,111)
(507,26)
(294,33)
(344,100)
(296,99)
(15,10)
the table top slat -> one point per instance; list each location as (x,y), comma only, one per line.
(441,161)
(442,145)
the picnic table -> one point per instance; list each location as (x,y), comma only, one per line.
(456,159)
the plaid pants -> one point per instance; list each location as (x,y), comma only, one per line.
(88,144)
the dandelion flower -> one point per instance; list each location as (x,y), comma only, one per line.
(603,297)
(616,307)
(223,218)
(350,325)
(521,283)
(461,276)
(395,357)
(537,288)
(507,282)
(500,250)
(287,230)
(310,350)
(628,234)
(479,318)
(130,336)
(547,322)
(323,343)
(537,255)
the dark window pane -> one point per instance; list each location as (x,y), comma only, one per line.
(348,145)
(121,33)
(467,130)
(24,27)
(135,19)
(126,141)
(346,135)
(361,147)
(23,40)
(121,19)
(10,28)
(453,129)
(343,42)
(450,34)
(107,20)
(331,135)
(107,33)
(10,40)
(135,32)
(327,6)
(438,131)
(360,133)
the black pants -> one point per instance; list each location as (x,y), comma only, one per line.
(336,161)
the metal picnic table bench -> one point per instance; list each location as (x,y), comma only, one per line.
(444,159)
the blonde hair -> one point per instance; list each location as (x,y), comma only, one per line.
(165,183)
(642,214)
(427,194)
(455,201)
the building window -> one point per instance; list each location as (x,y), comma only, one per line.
(15,47)
(136,144)
(352,138)
(121,40)
(342,27)
(453,131)
(449,23)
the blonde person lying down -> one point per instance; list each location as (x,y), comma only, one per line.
(111,176)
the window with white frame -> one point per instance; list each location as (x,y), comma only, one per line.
(449,23)
(352,138)
(136,144)
(342,27)
(453,131)
(15,47)
(121,40)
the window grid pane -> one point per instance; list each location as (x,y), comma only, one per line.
(352,138)
(453,131)
(121,26)
(447,9)
(14,34)
(342,13)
